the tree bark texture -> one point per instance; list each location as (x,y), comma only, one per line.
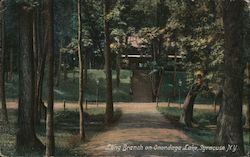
(50,139)
(247,123)
(81,72)
(108,68)
(25,137)
(229,122)
(4,114)
(118,69)
(188,105)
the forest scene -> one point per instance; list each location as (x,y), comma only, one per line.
(164,78)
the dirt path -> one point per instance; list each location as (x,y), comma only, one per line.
(141,86)
(141,125)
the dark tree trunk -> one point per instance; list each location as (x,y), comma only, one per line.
(81,72)
(4,113)
(35,52)
(118,69)
(35,39)
(42,54)
(108,68)
(229,123)
(156,84)
(39,84)
(175,75)
(41,37)
(50,139)
(247,123)
(26,138)
(188,105)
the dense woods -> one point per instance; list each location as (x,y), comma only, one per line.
(45,45)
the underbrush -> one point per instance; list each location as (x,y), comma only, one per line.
(204,132)
(66,131)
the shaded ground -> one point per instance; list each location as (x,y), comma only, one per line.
(141,125)
(141,86)
(66,129)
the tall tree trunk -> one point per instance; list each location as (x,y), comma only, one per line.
(36,57)
(25,137)
(188,105)
(35,38)
(2,68)
(229,123)
(81,72)
(39,83)
(247,123)
(42,36)
(175,75)
(50,139)
(156,83)
(118,69)
(108,68)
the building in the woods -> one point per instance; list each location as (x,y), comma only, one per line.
(139,55)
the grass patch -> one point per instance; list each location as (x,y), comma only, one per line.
(206,119)
(66,131)
(68,89)
(166,91)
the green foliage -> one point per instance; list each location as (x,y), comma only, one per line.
(195,31)
(206,120)
(66,130)
(68,90)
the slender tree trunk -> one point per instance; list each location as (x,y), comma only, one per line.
(81,72)
(188,105)
(174,75)
(35,48)
(247,123)
(118,69)
(156,82)
(26,138)
(50,139)
(108,68)
(2,70)
(39,83)
(36,56)
(42,36)
(159,87)
(229,123)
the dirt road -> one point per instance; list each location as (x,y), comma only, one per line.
(141,131)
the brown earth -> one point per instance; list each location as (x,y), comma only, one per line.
(141,125)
